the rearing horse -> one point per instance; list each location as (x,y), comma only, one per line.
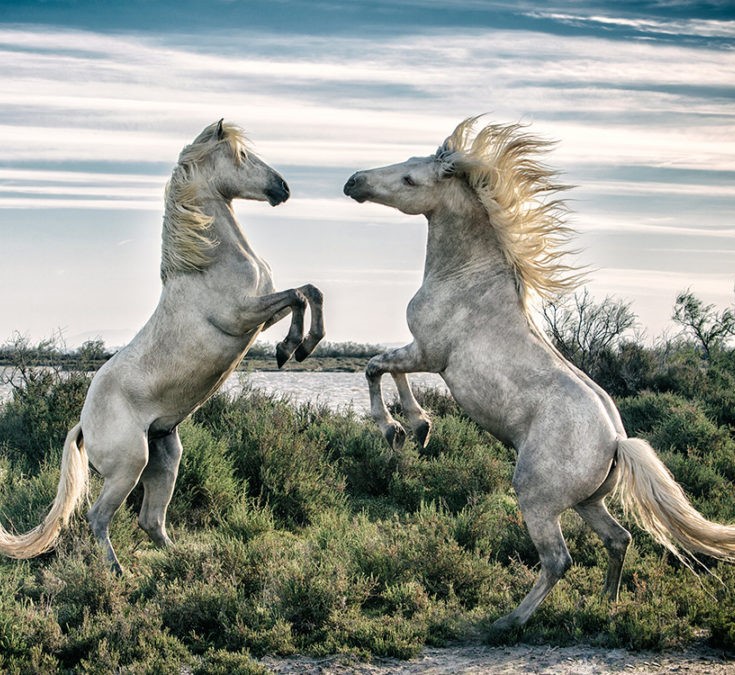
(217,296)
(495,235)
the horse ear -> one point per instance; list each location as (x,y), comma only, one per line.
(447,167)
(220,134)
(446,159)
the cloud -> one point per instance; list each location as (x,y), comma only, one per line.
(686,27)
(92,121)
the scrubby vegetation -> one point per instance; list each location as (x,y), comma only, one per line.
(297,530)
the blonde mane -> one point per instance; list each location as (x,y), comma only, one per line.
(501,165)
(187,239)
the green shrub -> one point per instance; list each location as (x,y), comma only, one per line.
(35,421)
(206,488)
(647,410)
(298,530)
(281,465)
(222,662)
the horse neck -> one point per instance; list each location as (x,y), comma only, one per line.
(226,228)
(462,242)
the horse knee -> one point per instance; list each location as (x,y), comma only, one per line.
(313,293)
(374,368)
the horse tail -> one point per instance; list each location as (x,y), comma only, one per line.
(72,488)
(658,504)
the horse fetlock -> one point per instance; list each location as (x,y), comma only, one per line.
(156,530)
(506,623)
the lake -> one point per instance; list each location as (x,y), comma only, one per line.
(338,390)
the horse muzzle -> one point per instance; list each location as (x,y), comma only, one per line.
(277,193)
(356,187)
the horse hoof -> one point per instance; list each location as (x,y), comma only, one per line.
(396,436)
(307,347)
(504,630)
(282,354)
(504,624)
(422,433)
(301,352)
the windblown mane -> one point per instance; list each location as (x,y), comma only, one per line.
(187,240)
(501,165)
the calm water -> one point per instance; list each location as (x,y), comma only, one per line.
(337,390)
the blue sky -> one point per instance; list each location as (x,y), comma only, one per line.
(97,99)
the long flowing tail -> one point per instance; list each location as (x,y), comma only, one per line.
(649,492)
(72,488)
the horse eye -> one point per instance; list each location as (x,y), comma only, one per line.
(407,180)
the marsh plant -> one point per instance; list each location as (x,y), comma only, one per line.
(297,530)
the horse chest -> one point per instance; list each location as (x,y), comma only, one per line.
(433,311)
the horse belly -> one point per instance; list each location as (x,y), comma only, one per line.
(483,399)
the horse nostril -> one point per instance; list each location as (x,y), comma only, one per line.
(284,187)
(351,183)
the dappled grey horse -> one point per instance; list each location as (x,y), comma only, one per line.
(217,296)
(496,235)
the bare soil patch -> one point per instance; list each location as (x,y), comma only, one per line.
(482,660)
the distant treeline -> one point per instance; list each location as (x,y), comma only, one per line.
(92,354)
(348,349)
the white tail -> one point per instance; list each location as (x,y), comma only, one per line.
(649,492)
(72,487)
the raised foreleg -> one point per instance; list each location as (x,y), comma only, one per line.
(398,362)
(316,329)
(294,337)
(295,343)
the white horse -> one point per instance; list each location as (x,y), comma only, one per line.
(495,235)
(217,296)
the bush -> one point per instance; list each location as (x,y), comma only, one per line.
(206,488)
(298,530)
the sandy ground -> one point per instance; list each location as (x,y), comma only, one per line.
(480,660)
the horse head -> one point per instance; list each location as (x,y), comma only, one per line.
(413,187)
(221,157)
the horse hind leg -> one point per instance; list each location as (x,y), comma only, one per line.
(614,537)
(130,455)
(158,479)
(548,539)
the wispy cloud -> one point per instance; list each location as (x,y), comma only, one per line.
(92,121)
(689,27)
(77,96)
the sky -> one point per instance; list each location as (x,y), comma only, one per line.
(97,100)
